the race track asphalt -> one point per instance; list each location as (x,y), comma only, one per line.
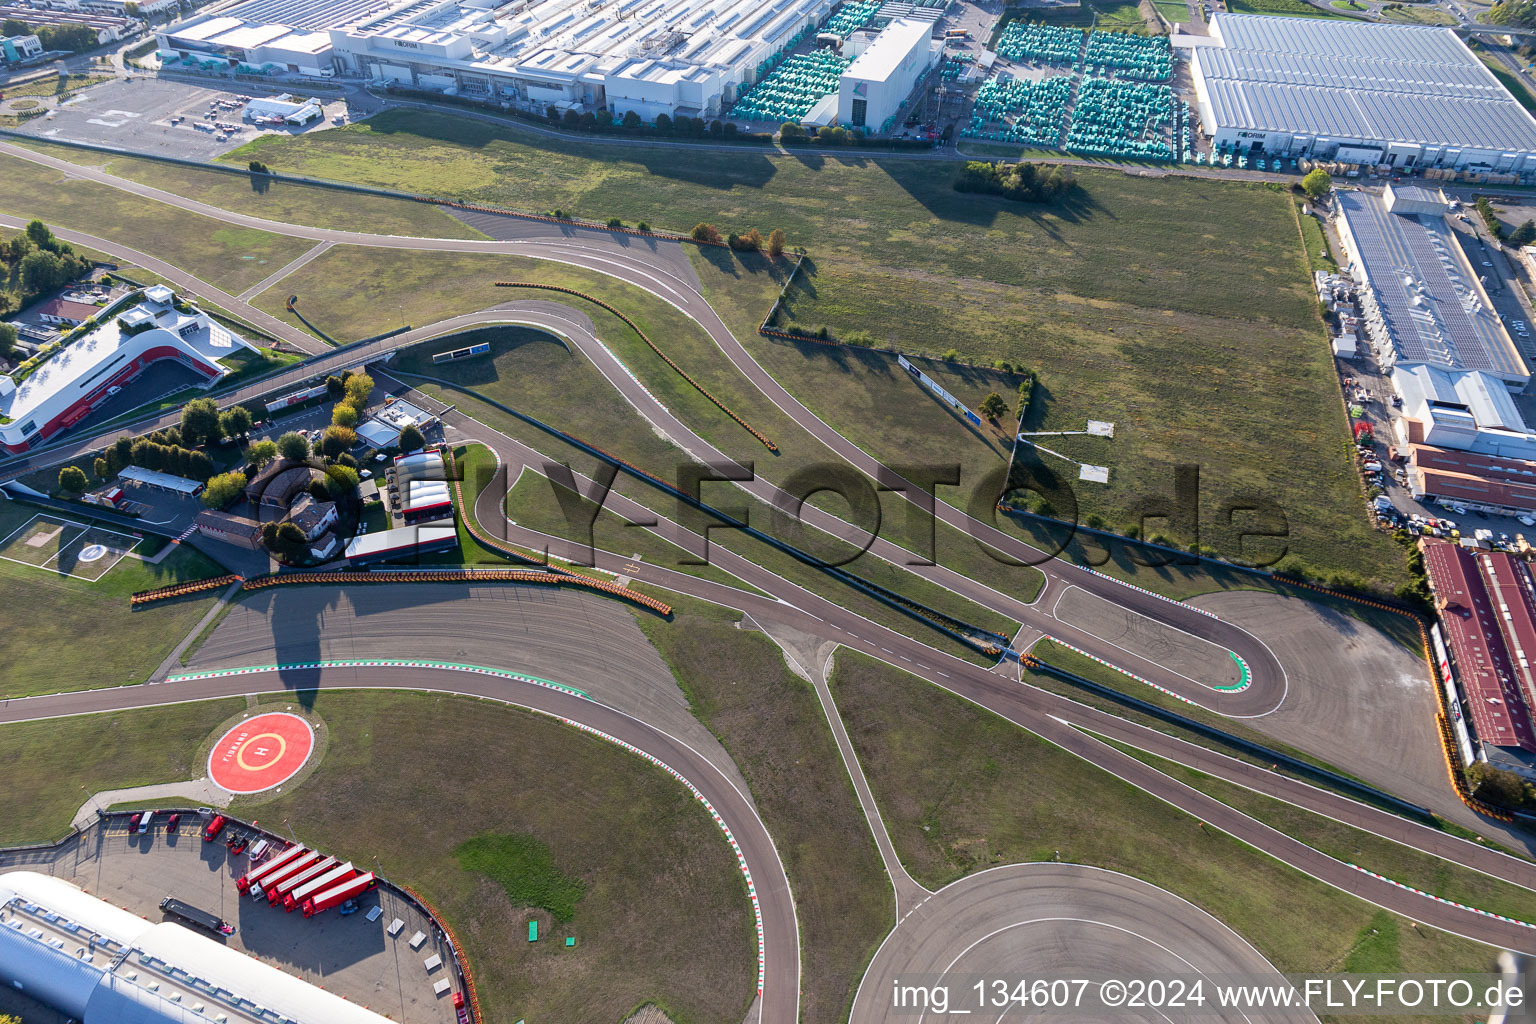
(1044,921)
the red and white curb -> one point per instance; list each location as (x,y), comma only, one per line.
(757,910)
(1144,590)
(1441,899)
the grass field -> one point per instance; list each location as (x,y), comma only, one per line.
(46,764)
(1399,863)
(664,916)
(961,789)
(55,85)
(1518,85)
(1285,8)
(735,682)
(1417,14)
(229,257)
(70,634)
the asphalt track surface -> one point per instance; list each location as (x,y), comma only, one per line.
(1033,921)
(661,267)
(1050,716)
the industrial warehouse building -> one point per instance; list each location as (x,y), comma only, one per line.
(95,963)
(677,57)
(880,78)
(1406,96)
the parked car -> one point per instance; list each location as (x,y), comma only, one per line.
(133,822)
(173,823)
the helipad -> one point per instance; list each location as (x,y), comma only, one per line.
(261,753)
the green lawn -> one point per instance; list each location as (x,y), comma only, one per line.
(64,633)
(228,257)
(55,85)
(46,764)
(735,682)
(1518,85)
(260,196)
(1418,14)
(663,916)
(1315,244)
(961,790)
(1400,863)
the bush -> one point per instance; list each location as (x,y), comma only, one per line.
(615,222)
(752,241)
(705,232)
(643,226)
(776,243)
(72,479)
(1021,182)
(1317,183)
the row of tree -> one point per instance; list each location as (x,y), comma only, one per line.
(161,450)
(31,264)
(1523,235)
(1023,182)
(751,241)
(604,120)
(69,38)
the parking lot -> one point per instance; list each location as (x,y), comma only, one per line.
(350,956)
(136,113)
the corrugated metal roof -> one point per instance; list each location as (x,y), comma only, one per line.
(1396,83)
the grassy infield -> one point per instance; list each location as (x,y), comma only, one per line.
(1020,264)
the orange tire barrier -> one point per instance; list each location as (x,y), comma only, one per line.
(664,357)
(548,579)
(472,524)
(181,589)
(472,996)
(1448,744)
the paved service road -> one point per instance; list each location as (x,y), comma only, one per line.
(1045,921)
(780,937)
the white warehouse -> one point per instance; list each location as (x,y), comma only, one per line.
(678,57)
(874,85)
(1407,96)
(95,963)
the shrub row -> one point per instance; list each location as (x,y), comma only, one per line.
(181,589)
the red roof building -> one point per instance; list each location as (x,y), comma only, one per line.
(65,311)
(1487,610)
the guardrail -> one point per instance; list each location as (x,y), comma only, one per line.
(664,357)
(345,577)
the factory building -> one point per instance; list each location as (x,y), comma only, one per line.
(1409,97)
(880,78)
(678,57)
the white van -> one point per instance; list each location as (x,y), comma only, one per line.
(259,851)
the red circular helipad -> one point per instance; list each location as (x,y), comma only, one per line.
(261,753)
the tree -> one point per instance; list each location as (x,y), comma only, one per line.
(269,534)
(99,467)
(293,445)
(121,453)
(571,118)
(552,113)
(72,479)
(632,119)
(1317,183)
(1523,235)
(200,421)
(257,167)
(1498,787)
(752,240)
(344,415)
(41,271)
(358,387)
(705,232)
(235,421)
(341,480)
(335,386)
(663,123)
(14,27)
(411,439)
(776,243)
(7,339)
(223,490)
(604,118)
(993,406)
(41,236)
(261,453)
(336,440)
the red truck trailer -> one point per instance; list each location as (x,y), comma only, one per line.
(256,874)
(296,897)
(261,889)
(278,890)
(339,894)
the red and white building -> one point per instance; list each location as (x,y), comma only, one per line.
(1486,601)
(75,380)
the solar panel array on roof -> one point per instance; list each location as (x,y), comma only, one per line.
(1394,83)
(1430,308)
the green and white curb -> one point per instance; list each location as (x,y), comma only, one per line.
(449,666)
(1442,899)
(1244,678)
